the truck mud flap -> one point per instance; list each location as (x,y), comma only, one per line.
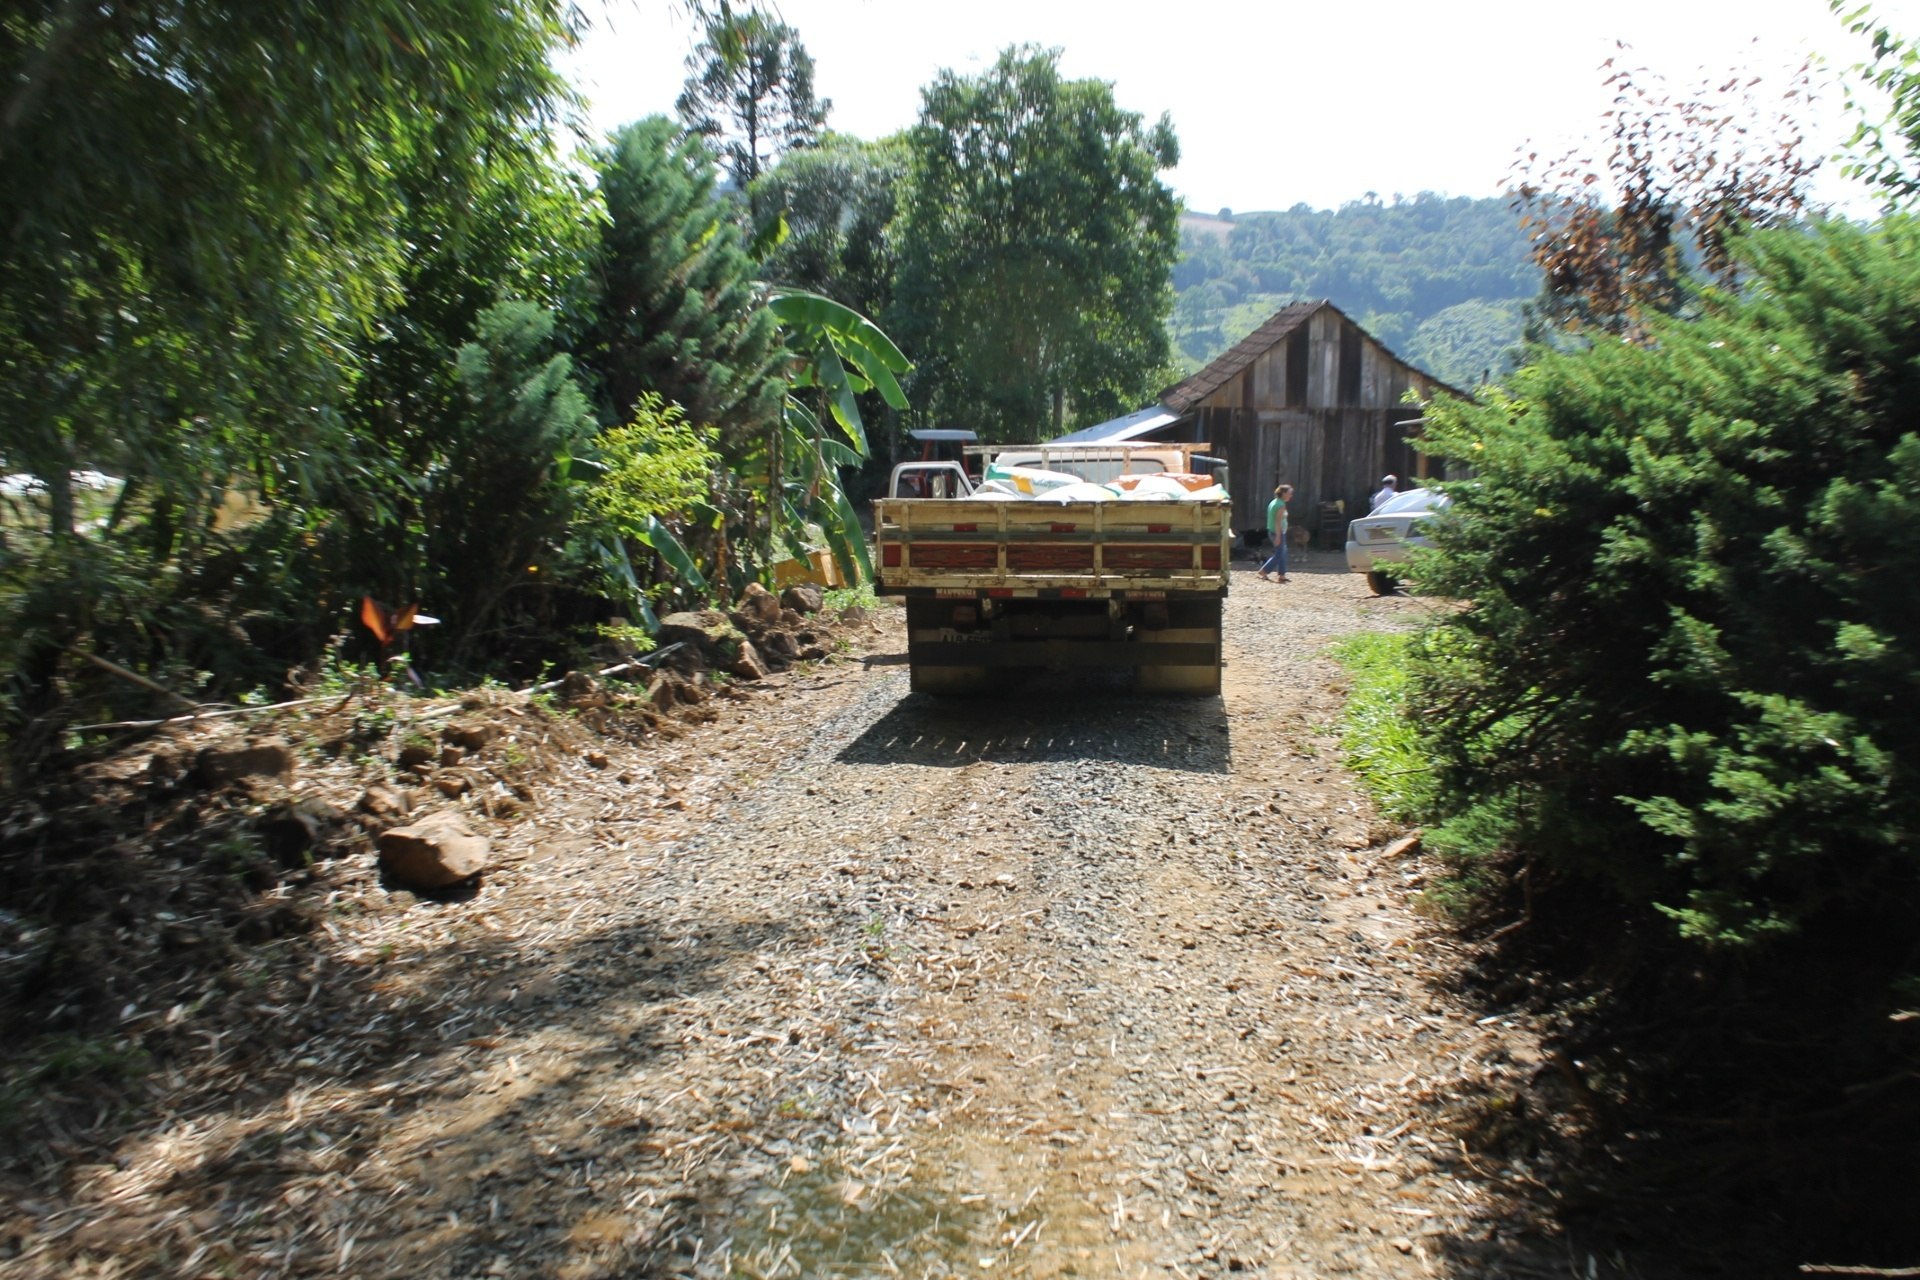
(1194,623)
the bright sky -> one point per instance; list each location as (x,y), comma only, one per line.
(1275,102)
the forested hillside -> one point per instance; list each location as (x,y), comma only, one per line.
(1441,280)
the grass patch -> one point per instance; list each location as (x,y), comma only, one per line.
(1382,745)
(840,598)
(1378,735)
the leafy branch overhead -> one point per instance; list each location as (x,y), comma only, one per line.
(1630,237)
(1885,152)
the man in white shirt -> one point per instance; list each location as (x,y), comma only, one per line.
(1387,490)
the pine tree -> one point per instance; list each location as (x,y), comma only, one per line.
(751,94)
(498,502)
(678,314)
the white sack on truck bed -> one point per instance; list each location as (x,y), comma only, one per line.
(1030,481)
(1081,491)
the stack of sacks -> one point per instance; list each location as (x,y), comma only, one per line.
(1168,487)
(1029,481)
(1026,483)
(1079,491)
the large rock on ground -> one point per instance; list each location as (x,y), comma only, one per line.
(747,664)
(433,853)
(706,632)
(759,604)
(802,598)
(670,689)
(469,735)
(778,649)
(269,757)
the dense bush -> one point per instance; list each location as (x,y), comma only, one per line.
(1690,664)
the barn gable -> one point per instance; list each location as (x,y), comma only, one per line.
(1308,398)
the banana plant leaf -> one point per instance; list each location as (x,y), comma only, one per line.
(807,312)
(836,454)
(847,541)
(840,397)
(856,340)
(662,540)
(619,566)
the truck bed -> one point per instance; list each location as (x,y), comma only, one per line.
(995,585)
(1075,549)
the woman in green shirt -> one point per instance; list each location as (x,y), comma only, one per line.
(1277,526)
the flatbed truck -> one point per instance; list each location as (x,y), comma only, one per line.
(997,584)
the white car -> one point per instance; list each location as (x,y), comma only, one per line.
(1386,536)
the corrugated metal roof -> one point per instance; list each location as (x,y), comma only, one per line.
(1117,430)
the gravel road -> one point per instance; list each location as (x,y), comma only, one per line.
(856,982)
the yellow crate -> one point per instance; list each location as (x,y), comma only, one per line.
(818,568)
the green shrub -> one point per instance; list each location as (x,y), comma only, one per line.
(1689,669)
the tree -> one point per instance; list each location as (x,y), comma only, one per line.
(679,312)
(837,354)
(198,235)
(1686,669)
(192,226)
(1037,243)
(1631,239)
(751,92)
(1886,154)
(497,502)
(839,200)
(406,520)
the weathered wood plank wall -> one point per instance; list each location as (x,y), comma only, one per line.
(1318,410)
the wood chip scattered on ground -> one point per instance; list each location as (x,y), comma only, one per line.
(844,981)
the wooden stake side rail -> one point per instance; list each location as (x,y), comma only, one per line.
(1098,547)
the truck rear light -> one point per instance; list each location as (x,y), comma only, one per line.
(1159,528)
(1057,527)
(966,528)
(890,555)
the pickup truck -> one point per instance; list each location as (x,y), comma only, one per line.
(992,583)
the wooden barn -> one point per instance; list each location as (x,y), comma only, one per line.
(1308,398)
